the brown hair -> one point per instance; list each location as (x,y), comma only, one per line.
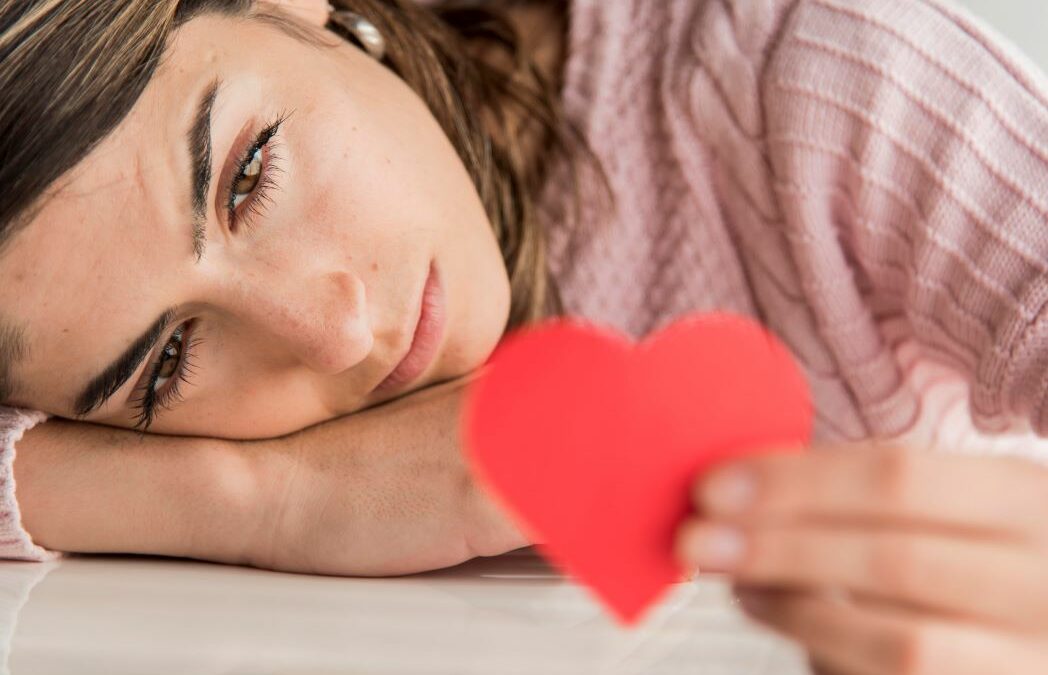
(71,71)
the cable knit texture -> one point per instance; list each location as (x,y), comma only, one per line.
(15,543)
(867,177)
(832,167)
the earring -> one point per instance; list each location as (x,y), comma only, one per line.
(363,30)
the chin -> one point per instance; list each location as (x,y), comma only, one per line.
(477,341)
(463,359)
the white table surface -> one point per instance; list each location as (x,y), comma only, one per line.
(511,614)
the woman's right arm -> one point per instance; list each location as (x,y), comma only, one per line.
(384,491)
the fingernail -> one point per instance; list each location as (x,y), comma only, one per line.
(730,491)
(718,547)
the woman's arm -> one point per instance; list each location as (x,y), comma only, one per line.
(884,161)
(908,158)
(385,491)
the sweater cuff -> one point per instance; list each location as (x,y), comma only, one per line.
(15,542)
(1010,384)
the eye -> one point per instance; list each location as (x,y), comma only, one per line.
(170,357)
(249,186)
(171,367)
(247,180)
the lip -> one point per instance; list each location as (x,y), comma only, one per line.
(429,330)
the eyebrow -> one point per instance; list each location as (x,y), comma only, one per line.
(200,151)
(102,387)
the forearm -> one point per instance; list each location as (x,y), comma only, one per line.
(384,491)
(89,489)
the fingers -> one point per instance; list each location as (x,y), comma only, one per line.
(931,571)
(945,551)
(853,638)
(1008,497)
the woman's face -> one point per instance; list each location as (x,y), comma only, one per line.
(333,195)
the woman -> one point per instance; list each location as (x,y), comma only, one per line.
(220,224)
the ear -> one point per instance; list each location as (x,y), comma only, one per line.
(315,12)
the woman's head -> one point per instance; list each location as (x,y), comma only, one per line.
(209,179)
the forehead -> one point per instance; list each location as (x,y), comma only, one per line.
(81,279)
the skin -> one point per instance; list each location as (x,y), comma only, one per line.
(381,492)
(300,308)
(908,535)
(941,558)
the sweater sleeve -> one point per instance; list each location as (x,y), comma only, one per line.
(15,542)
(908,151)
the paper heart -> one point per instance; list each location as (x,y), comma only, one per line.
(593,442)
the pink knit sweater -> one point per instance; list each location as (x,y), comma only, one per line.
(867,177)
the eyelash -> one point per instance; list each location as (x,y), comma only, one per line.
(149,401)
(259,199)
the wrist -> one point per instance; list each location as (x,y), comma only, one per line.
(273,518)
(91,489)
(490,530)
(223,503)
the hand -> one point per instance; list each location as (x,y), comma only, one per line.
(882,561)
(385,491)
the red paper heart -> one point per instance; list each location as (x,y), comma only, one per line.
(594,442)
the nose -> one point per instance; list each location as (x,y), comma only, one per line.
(324,323)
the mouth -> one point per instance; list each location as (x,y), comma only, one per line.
(425,341)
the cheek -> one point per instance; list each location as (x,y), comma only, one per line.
(323,200)
(320,173)
(249,402)
(396,186)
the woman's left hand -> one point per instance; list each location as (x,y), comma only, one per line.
(885,562)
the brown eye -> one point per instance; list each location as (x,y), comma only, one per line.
(247,180)
(170,357)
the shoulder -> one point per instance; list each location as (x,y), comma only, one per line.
(861,55)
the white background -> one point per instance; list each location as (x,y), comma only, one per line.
(1025,22)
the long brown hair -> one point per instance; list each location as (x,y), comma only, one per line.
(468,62)
(71,71)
